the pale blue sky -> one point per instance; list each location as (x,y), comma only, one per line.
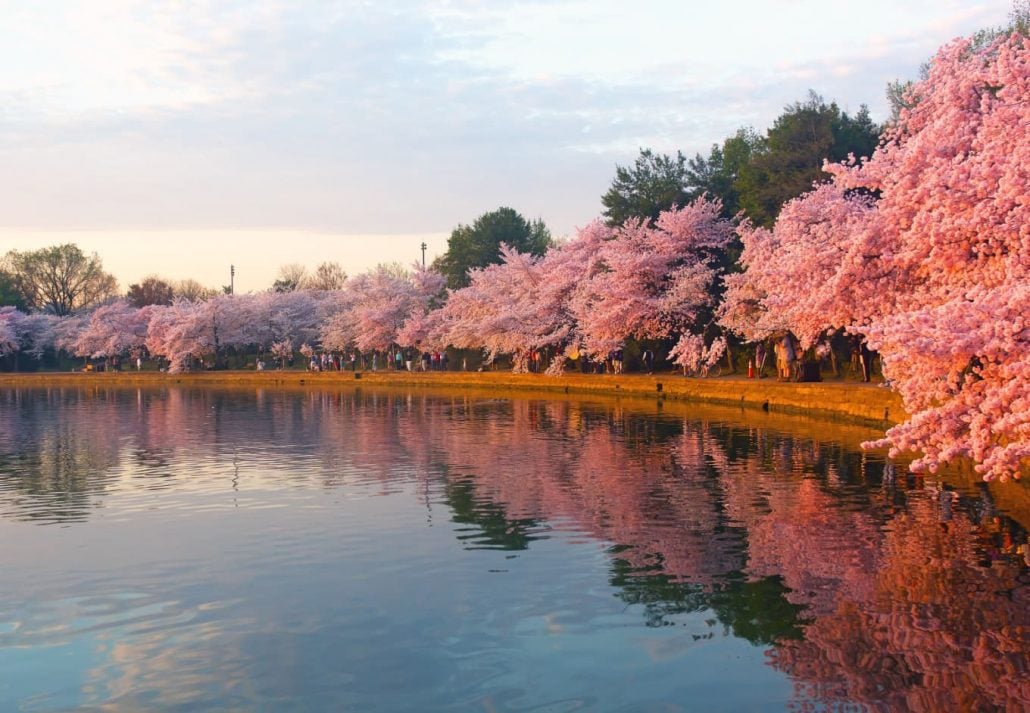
(177,137)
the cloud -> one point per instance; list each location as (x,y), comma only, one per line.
(363,117)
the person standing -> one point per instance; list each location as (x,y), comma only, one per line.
(865,356)
(789,355)
(781,360)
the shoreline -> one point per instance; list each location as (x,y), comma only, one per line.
(867,404)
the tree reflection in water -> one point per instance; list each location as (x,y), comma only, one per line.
(887,592)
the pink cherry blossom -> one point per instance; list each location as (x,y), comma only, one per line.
(933,272)
(651,281)
(807,274)
(953,237)
(112,330)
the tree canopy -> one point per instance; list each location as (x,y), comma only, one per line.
(479,244)
(717,175)
(789,159)
(291,277)
(150,291)
(748,172)
(60,279)
(192,291)
(9,294)
(327,276)
(653,184)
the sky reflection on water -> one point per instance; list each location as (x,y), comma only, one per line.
(402,551)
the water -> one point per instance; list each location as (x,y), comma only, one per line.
(372,551)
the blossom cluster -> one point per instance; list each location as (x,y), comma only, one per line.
(923,250)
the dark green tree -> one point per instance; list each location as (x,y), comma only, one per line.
(717,174)
(854,135)
(9,294)
(479,244)
(791,155)
(654,183)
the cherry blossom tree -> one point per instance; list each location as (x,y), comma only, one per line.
(337,330)
(801,276)
(924,251)
(66,329)
(952,257)
(521,304)
(488,312)
(653,281)
(694,356)
(10,332)
(37,333)
(285,319)
(608,284)
(185,331)
(562,271)
(374,308)
(111,331)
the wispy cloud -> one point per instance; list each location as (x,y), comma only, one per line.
(406,116)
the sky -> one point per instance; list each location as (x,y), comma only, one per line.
(177,138)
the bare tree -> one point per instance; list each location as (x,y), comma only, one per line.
(191,290)
(327,276)
(291,277)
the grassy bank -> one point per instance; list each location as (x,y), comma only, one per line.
(864,403)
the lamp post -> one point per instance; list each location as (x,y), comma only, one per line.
(423,254)
(232,279)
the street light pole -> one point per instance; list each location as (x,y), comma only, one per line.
(232,279)
(423,254)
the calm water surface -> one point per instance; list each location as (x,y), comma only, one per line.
(277,550)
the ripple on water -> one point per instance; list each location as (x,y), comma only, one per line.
(407,552)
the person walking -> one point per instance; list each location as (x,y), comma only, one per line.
(648,358)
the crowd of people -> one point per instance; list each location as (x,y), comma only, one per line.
(394,359)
